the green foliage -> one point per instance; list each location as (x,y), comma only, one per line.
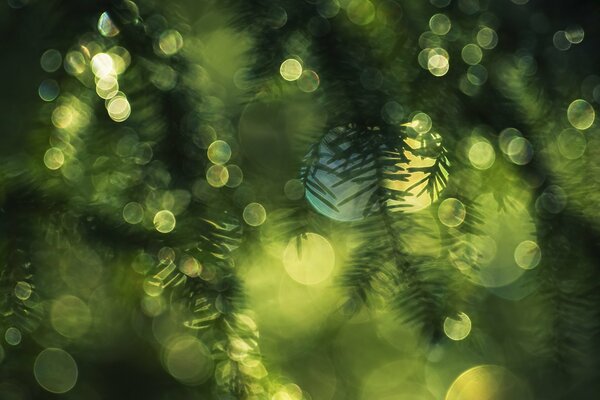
(428,211)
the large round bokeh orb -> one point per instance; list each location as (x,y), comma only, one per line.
(309,259)
(55,370)
(488,382)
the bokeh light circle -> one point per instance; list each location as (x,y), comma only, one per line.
(571,144)
(51,60)
(528,254)
(360,12)
(457,328)
(482,155)
(235,176)
(519,151)
(102,65)
(254,214)
(581,114)
(421,123)
(217,175)
(188,360)
(164,221)
(70,316)
(487,38)
(170,42)
(13,336)
(219,152)
(106,26)
(440,24)
(54,158)
(48,90)
(489,382)
(309,259)
(487,258)
(294,189)
(451,212)
(290,69)
(133,213)
(471,54)
(438,64)
(55,370)
(23,290)
(308,81)
(118,108)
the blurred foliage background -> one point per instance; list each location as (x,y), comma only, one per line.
(299,199)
